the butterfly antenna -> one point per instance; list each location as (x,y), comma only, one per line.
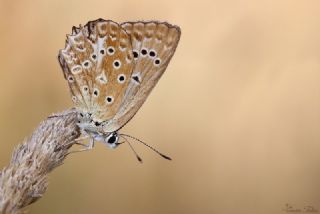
(134,151)
(150,147)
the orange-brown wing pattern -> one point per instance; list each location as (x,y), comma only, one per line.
(153,45)
(97,62)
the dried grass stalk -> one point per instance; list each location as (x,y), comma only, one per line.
(25,179)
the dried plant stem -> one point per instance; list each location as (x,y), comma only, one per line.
(25,179)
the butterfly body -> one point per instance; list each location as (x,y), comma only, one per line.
(111,69)
(94,129)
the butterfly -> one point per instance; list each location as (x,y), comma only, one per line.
(111,69)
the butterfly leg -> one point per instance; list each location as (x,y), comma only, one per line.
(78,143)
(87,146)
(81,139)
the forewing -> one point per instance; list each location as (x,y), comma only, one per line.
(153,45)
(97,62)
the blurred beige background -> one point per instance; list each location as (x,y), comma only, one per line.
(238,108)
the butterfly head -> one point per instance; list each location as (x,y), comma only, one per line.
(112,140)
(95,129)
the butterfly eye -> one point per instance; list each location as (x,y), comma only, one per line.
(121,78)
(102,51)
(135,54)
(116,64)
(157,62)
(109,100)
(152,53)
(95,92)
(110,50)
(144,52)
(112,138)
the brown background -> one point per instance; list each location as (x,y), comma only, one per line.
(238,108)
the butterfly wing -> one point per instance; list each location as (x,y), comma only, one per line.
(153,45)
(97,62)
